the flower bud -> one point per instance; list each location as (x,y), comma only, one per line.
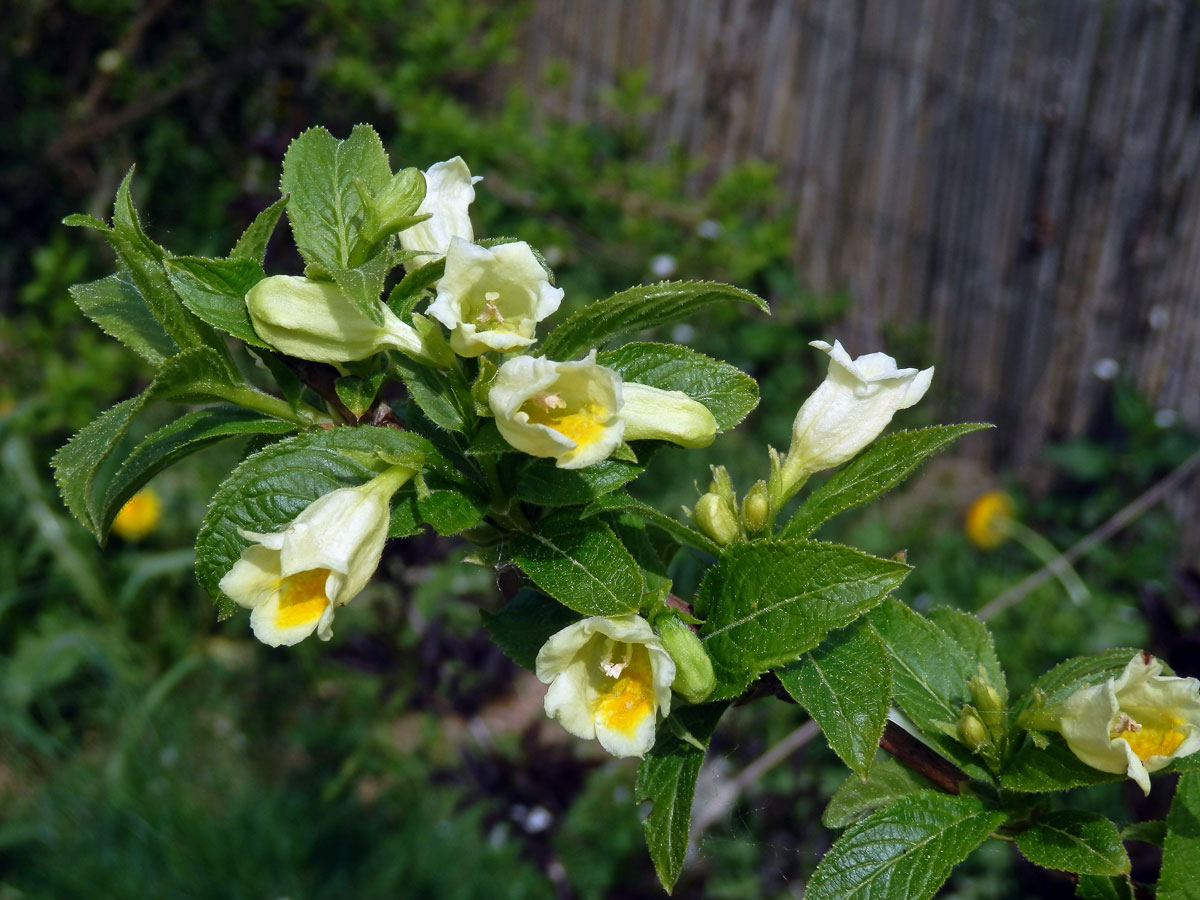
(314,320)
(713,516)
(694,678)
(986,697)
(756,507)
(972,731)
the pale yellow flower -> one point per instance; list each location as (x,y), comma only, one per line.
(609,678)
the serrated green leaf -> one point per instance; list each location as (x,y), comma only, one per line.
(326,212)
(115,305)
(523,625)
(450,511)
(845,683)
(973,636)
(79,462)
(727,392)
(186,435)
(1184,764)
(766,603)
(904,851)
(1072,674)
(1103,887)
(488,441)
(581,565)
(82,220)
(1055,768)
(269,489)
(1073,841)
(1181,851)
(143,261)
(252,245)
(667,779)
(541,482)
(878,469)
(1152,831)
(643,306)
(215,291)
(930,672)
(411,288)
(887,781)
(434,392)
(619,501)
(358,392)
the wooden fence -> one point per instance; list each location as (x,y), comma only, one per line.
(1020,177)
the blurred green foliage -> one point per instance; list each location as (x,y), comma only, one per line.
(144,748)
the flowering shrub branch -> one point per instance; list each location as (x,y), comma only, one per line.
(411,377)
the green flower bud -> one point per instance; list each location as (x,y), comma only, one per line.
(756,507)
(713,516)
(987,698)
(314,320)
(694,678)
(972,731)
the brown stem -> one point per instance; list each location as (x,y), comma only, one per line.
(912,753)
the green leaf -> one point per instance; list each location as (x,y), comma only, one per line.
(929,677)
(450,511)
(81,220)
(1074,841)
(878,469)
(78,463)
(887,781)
(186,435)
(1102,887)
(766,603)
(393,208)
(643,306)
(619,501)
(433,392)
(269,489)
(729,393)
(115,305)
(1080,671)
(358,392)
(143,262)
(541,482)
(973,636)
(252,245)
(1181,852)
(523,625)
(488,441)
(667,778)
(845,683)
(215,291)
(411,288)
(581,565)
(1152,831)
(904,851)
(325,207)
(1034,770)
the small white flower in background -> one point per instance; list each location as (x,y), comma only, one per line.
(609,679)
(663,265)
(314,320)
(492,298)
(449,192)
(295,579)
(1106,369)
(1135,723)
(709,228)
(579,412)
(1166,418)
(849,409)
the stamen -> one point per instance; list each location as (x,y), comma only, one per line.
(550,401)
(490,312)
(613,669)
(1124,724)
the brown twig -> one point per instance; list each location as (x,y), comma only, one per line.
(910,752)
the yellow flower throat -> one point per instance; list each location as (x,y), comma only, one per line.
(302,598)
(583,426)
(1150,738)
(629,698)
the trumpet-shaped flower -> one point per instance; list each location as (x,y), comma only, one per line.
(492,298)
(314,320)
(449,191)
(849,409)
(294,580)
(609,678)
(578,412)
(1135,723)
